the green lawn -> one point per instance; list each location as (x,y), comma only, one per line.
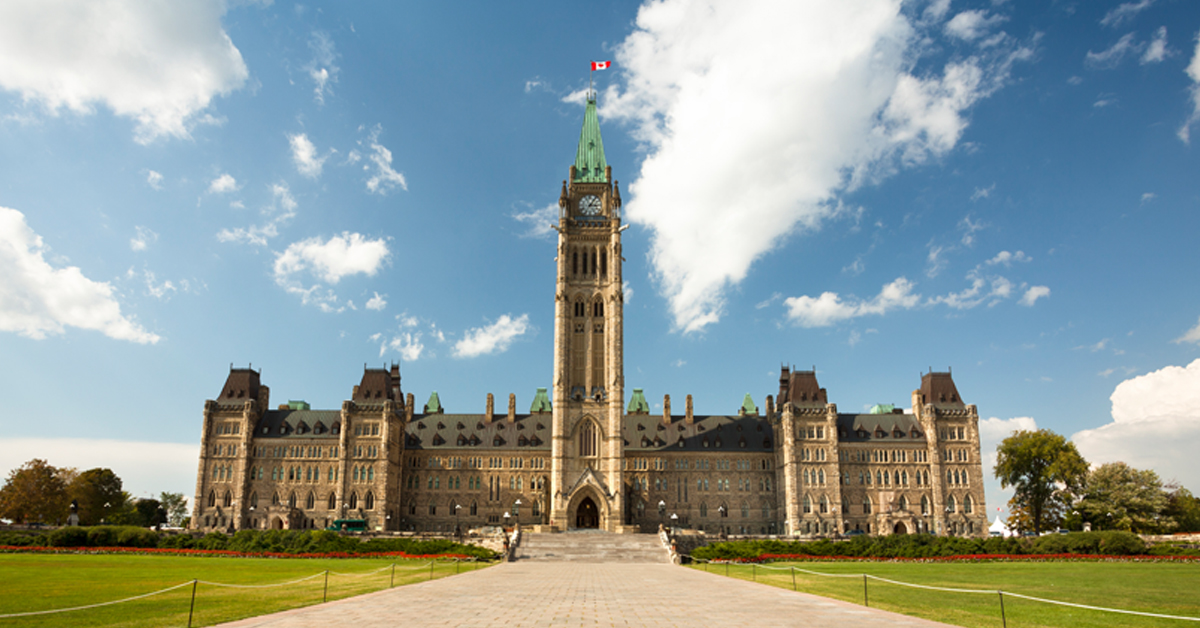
(1167,588)
(35,582)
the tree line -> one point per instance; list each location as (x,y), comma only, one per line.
(38,492)
(1055,488)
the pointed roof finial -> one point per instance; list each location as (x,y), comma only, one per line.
(589,158)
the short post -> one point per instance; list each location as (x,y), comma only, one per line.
(393,582)
(431,569)
(192,609)
(1003,619)
(866,602)
(754,571)
(793,578)
(457,565)
(325,594)
(727,568)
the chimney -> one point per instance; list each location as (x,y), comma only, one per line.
(512,407)
(770,407)
(491,408)
(690,419)
(408,407)
(354,393)
(666,409)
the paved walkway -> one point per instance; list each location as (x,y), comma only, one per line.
(579,595)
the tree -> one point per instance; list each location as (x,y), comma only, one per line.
(176,506)
(1119,497)
(1045,471)
(1184,509)
(99,494)
(35,492)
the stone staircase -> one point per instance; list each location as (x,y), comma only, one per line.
(591,547)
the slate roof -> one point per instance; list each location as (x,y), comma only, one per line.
(471,431)
(298,424)
(890,428)
(708,434)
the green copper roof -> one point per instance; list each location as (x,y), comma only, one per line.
(298,405)
(434,406)
(882,408)
(748,406)
(541,402)
(637,403)
(589,159)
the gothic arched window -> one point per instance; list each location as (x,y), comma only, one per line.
(332,501)
(310,502)
(588,440)
(369,502)
(353,500)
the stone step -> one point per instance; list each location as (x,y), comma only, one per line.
(591,547)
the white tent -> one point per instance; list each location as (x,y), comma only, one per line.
(999,527)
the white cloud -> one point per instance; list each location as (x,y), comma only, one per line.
(1033,294)
(829,308)
(1155,425)
(281,210)
(146,469)
(332,259)
(769,301)
(1099,346)
(937,10)
(1192,335)
(377,302)
(142,239)
(322,69)
(970,228)
(37,299)
(154,179)
(407,344)
(494,338)
(971,25)
(1147,197)
(774,108)
(1157,49)
(983,289)
(983,192)
(160,64)
(385,178)
(304,154)
(538,221)
(626,291)
(1006,258)
(935,263)
(1124,12)
(156,289)
(1193,72)
(222,184)
(1111,57)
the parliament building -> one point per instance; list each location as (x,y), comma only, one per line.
(581,457)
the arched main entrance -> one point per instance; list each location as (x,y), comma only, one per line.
(587,515)
(900,529)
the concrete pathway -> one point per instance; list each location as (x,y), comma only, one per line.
(575,594)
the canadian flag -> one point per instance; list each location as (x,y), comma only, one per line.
(600,65)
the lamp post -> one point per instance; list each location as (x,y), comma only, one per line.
(457,529)
(506,517)
(674,522)
(517,510)
(662,509)
(721,514)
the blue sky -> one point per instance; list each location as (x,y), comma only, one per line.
(872,188)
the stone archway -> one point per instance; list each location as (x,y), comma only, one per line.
(900,528)
(276,523)
(587,515)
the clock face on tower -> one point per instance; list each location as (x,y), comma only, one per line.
(589,205)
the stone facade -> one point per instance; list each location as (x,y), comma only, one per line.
(581,457)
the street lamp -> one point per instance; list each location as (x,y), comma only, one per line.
(457,529)
(674,521)
(662,509)
(506,517)
(517,509)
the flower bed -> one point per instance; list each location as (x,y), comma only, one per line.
(33,549)
(965,558)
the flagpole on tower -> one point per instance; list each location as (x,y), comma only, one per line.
(591,78)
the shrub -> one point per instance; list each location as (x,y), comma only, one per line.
(213,541)
(73,536)
(130,536)
(101,536)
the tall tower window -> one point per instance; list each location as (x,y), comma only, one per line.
(574,262)
(588,440)
(598,309)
